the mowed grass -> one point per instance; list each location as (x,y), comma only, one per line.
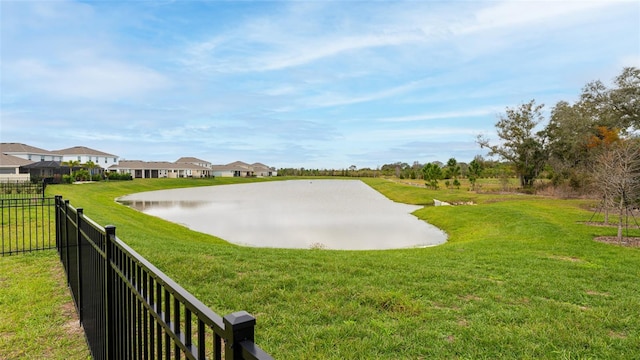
(37,316)
(520,277)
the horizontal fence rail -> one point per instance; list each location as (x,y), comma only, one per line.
(26,224)
(131,310)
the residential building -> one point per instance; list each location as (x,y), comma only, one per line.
(262,170)
(51,171)
(83,154)
(242,169)
(29,152)
(160,169)
(234,169)
(194,161)
(10,168)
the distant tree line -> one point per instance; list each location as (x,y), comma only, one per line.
(576,135)
(402,170)
(582,147)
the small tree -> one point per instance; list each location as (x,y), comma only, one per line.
(432,173)
(617,175)
(90,165)
(474,171)
(452,170)
(71,164)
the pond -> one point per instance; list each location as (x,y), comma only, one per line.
(325,214)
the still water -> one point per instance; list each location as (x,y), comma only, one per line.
(327,214)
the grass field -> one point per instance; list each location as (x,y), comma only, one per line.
(520,277)
(37,316)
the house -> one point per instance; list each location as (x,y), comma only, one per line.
(159,169)
(83,154)
(52,171)
(194,161)
(234,169)
(261,170)
(10,168)
(242,169)
(28,152)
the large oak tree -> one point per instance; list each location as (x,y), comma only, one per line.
(520,145)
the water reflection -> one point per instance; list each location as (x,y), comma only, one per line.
(144,205)
(330,214)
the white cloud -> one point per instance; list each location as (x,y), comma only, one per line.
(445,115)
(526,13)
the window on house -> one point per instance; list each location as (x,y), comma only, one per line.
(29,157)
(42,158)
(79,158)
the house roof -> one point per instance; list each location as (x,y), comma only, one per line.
(260,166)
(82,150)
(191,160)
(234,166)
(17,148)
(12,161)
(240,164)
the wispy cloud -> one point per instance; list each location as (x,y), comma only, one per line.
(484,111)
(308,84)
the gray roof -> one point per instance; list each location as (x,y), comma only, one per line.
(17,148)
(240,166)
(12,161)
(82,150)
(191,160)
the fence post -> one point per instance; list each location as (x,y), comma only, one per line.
(79,217)
(238,327)
(57,219)
(66,240)
(110,232)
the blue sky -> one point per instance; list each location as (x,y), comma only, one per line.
(314,84)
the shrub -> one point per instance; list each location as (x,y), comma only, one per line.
(117,176)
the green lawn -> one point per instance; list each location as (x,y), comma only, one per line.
(520,277)
(37,317)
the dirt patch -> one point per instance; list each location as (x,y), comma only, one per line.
(601,224)
(566,258)
(471,297)
(627,241)
(617,335)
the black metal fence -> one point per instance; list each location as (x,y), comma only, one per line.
(21,189)
(26,224)
(131,310)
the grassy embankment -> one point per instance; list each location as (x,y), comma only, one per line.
(520,277)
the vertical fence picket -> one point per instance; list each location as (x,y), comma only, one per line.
(79,262)
(129,309)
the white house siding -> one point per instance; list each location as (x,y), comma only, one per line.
(14,177)
(102,161)
(223,173)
